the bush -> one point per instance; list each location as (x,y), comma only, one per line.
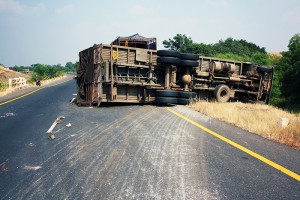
(44,72)
(3,85)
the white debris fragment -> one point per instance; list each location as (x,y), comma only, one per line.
(27,167)
(72,101)
(57,121)
(68,125)
(283,122)
(31,144)
(7,115)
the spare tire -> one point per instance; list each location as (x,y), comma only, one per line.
(189,63)
(168,60)
(189,56)
(264,69)
(187,95)
(166,93)
(166,100)
(185,101)
(222,93)
(168,53)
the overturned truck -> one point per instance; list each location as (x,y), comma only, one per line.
(125,73)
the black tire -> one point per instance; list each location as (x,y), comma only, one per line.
(166,100)
(168,60)
(222,93)
(166,93)
(185,101)
(264,69)
(189,63)
(187,95)
(168,53)
(189,56)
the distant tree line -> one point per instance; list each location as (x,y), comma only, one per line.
(230,48)
(44,72)
(286,85)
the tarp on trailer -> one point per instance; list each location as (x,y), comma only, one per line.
(85,75)
(136,41)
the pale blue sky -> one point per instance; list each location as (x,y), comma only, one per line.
(52,32)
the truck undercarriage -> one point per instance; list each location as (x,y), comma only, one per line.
(114,73)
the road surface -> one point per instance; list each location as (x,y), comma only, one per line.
(133,152)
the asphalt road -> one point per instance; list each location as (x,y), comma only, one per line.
(132,152)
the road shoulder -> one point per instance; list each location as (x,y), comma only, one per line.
(31,89)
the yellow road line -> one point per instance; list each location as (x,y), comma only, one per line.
(6,102)
(240,147)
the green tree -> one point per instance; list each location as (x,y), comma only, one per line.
(179,42)
(290,67)
(40,72)
(69,65)
(201,49)
(260,58)
(44,72)
(238,47)
(228,49)
(276,96)
(231,56)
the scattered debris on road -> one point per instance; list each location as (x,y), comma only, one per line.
(51,137)
(57,121)
(27,167)
(3,166)
(72,100)
(7,115)
(30,144)
(50,130)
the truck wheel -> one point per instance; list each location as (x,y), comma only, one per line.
(222,93)
(168,60)
(189,56)
(189,63)
(166,100)
(166,93)
(185,101)
(264,69)
(168,53)
(187,95)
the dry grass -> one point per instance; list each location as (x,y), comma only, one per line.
(6,73)
(260,119)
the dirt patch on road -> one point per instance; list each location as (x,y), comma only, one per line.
(263,120)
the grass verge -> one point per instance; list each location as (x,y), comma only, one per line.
(260,119)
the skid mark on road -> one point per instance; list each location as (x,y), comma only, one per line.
(135,156)
(99,142)
(240,147)
(161,167)
(89,151)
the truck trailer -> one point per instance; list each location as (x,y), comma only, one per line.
(131,70)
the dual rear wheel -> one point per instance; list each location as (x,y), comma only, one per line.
(174,97)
